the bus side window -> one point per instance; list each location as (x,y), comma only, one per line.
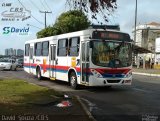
(27,46)
(62,47)
(45,48)
(83,52)
(87,53)
(74,46)
(38,49)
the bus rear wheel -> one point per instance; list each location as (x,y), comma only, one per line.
(38,73)
(73,80)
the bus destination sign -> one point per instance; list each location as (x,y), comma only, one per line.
(109,35)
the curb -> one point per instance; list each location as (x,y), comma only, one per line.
(85,109)
(146,74)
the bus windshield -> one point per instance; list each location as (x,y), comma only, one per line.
(114,54)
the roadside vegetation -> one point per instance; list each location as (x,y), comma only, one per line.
(20,97)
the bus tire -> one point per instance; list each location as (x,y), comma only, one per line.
(38,73)
(73,80)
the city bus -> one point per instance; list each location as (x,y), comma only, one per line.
(91,57)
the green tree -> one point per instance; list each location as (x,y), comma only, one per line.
(70,21)
(45,32)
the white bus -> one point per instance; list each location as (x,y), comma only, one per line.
(92,57)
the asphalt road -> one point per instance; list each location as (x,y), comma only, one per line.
(138,102)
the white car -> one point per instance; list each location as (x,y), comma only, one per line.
(7,64)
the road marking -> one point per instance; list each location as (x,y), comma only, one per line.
(85,108)
(91,105)
(137,89)
(146,74)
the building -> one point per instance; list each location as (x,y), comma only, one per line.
(20,52)
(10,51)
(6,52)
(14,52)
(146,35)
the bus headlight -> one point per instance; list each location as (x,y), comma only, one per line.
(128,74)
(96,73)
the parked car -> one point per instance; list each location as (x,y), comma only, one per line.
(6,64)
(20,62)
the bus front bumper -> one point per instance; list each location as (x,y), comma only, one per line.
(109,81)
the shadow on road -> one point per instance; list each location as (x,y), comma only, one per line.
(108,89)
(97,89)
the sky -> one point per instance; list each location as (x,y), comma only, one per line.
(124,15)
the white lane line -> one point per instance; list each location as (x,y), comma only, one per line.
(91,105)
(146,74)
(142,90)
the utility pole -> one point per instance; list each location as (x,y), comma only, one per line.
(135,22)
(135,34)
(45,12)
(81,5)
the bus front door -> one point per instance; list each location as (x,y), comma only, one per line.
(85,63)
(53,61)
(31,61)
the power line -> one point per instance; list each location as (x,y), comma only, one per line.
(34,26)
(48,7)
(34,4)
(43,5)
(45,9)
(31,14)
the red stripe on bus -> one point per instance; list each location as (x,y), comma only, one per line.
(78,69)
(113,71)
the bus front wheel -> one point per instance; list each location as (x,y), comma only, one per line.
(73,80)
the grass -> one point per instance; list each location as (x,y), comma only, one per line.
(18,96)
(23,100)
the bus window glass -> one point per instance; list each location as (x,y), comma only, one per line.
(38,49)
(27,46)
(45,48)
(87,53)
(111,54)
(83,51)
(62,47)
(74,46)
(31,53)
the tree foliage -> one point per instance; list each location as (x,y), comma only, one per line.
(96,7)
(45,32)
(70,21)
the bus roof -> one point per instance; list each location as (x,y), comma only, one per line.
(66,35)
